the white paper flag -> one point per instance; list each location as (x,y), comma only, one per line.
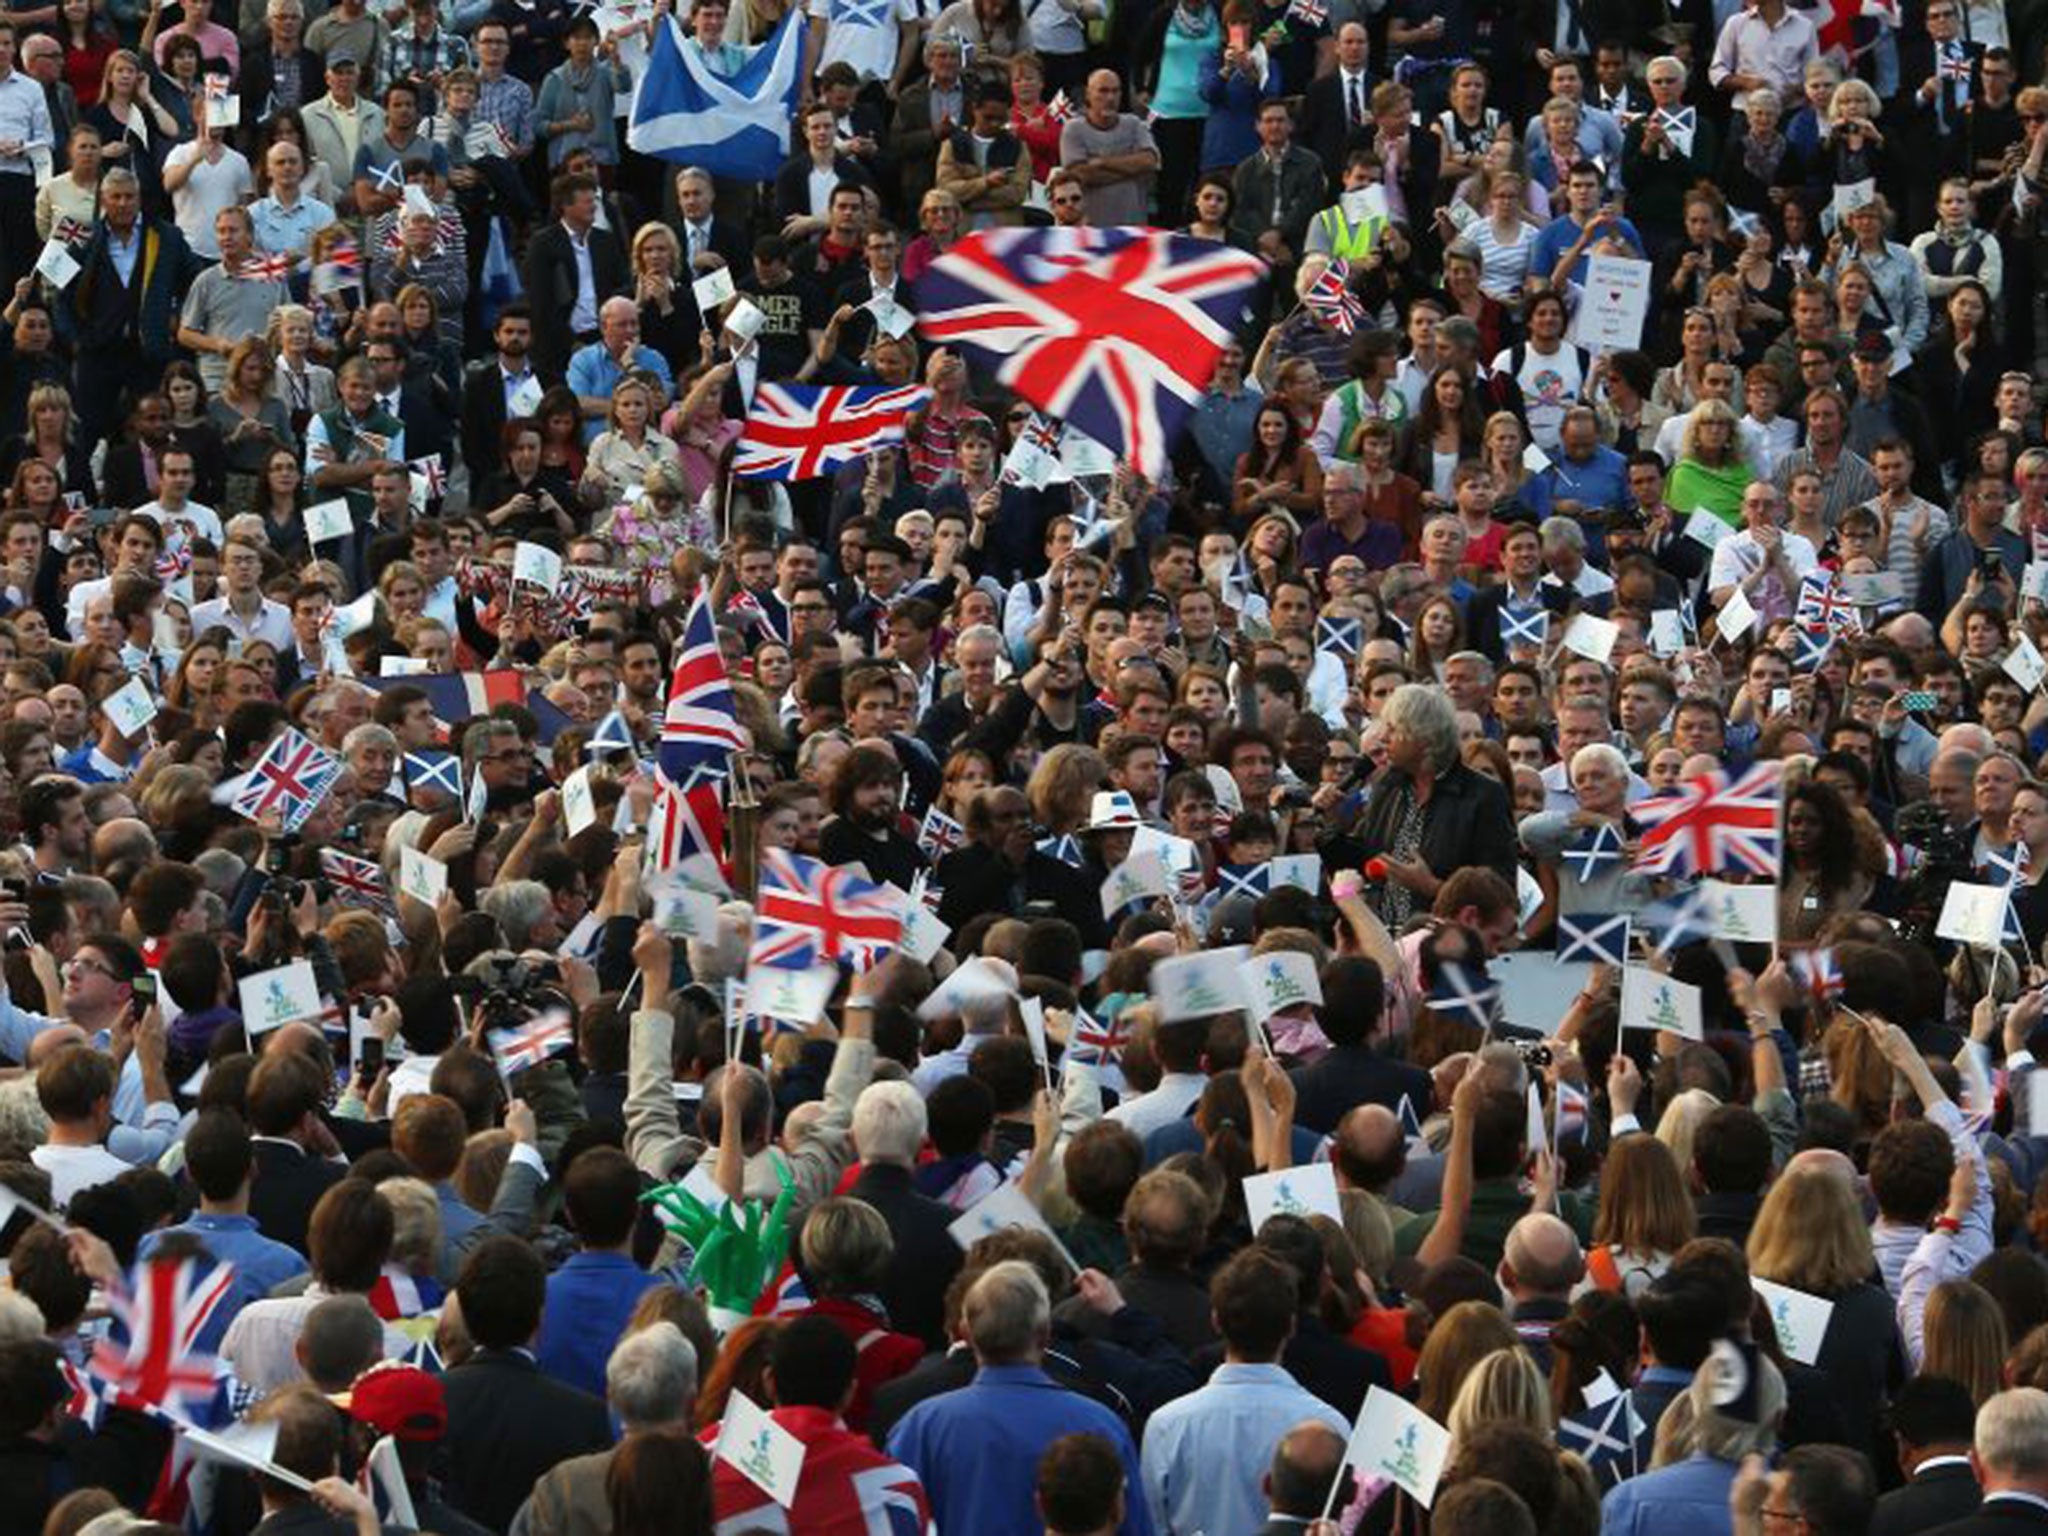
(1651,1000)
(329,520)
(537,565)
(1306,1191)
(1800,1317)
(795,997)
(283,995)
(1747,914)
(130,707)
(1282,979)
(760,1450)
(1973,914)
(1002,1208)
(421,876)
(579,804)
(1399,1443)
(1192,986)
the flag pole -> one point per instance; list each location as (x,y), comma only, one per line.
(743,823)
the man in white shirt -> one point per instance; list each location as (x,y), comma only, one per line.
(181,518)
(242,609)
(203,177)
(1178,1046)
(878,38)
(75,1086)
(1764,561)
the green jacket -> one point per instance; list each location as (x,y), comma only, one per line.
(1497,1204)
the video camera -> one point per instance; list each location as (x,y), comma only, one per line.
(503,989)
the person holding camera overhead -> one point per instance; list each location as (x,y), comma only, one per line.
(1983,552)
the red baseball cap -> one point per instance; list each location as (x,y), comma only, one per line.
(399,1400)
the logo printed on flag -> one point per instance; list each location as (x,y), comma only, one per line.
(1115,331)
(806,431)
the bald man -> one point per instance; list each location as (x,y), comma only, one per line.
(1540,1264)
(1373,1154)
(1111,153)
(1309,1458)
(1951,785)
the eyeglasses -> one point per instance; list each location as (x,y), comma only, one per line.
(74,966)
(509,755)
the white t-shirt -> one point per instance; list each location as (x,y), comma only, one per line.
(74,1168)
(863,33)
(192,520)
(225,183)
(1550,385)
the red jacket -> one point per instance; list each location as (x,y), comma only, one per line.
(884,1354)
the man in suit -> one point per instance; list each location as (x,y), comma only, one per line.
(120,314)
(2010,1454)
(42,60)
(1308,1459)
(1336,110)
(1942,71)
(889,1128)
(263,93)
(877,276)
(286,1092)
(1931,1421)
(699,231)
(497,390)
(572,267)
(508,1423)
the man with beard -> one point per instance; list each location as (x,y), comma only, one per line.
(1046,703)
(864,794)
(998,869)
(497,391)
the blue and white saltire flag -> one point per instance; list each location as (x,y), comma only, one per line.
(1593,854)
(1599,937)
(1252,880)
(1066,848)
(1467,990)
(730,125)
(1524,626)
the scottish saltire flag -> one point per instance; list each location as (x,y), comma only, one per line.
(1679,919)
(1593,854)
(1066,848)
(1252,880)
(1468,990)
(807,913)
(730,125)
(699,730)
(1598,937)
(1339,635)
(807,431)
(1115,331)
(437,772)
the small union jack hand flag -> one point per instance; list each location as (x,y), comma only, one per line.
(265,267)
(1311,12)
(1467,990)
(153,1359)
(528,1045)
(429,469)
(1094,1041)
(1818,970)
(290,779)
(939,835)
(356,882)
(1714,823)
(805,431)
(1059,109)
(1330,299)
(808,913)
(69,231)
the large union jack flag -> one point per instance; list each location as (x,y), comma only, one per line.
(1712,824)
(291,779)
(808,913)
(162,1311)
(1114,330)
(699,730)
(802,431)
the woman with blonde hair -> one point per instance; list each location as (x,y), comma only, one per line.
(1504,1386)
(1645,1216)
(1457,1342)
(1712,470)
(1963,1337)
(1680,1121)
(252,422)
(629,446)
(1811,1235)
(304,385)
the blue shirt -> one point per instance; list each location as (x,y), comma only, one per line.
(1597,482)
(1689,1496)
(1206,1454)
(1557,238)
(261,1264)
(594,371)
(589,1300)
(976,1450)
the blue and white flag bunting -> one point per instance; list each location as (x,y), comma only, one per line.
(738,125)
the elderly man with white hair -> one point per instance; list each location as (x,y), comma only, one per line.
(1565,564)
(888,1132)
(595,370)
(650,1383)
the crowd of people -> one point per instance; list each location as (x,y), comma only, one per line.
(554,988)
